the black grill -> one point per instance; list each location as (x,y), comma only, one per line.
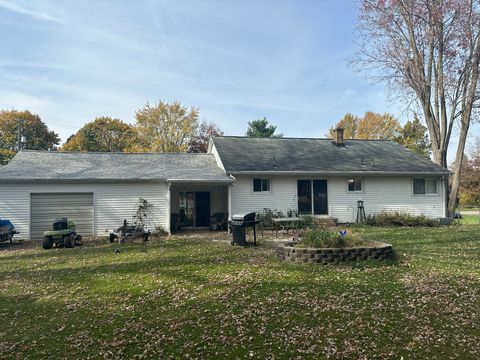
(239,223)
(243,218)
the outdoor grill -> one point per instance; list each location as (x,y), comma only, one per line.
(238,226)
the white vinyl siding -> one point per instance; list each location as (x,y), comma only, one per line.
(383,194)
(282,195)
(213,150)
(113,202)
(378,193)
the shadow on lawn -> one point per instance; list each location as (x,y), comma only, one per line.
(97,247)
(121,279)
(175,259)
(103,260)
(413,237)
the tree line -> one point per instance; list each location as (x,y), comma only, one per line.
(375,126)
(161,127)
(172,127)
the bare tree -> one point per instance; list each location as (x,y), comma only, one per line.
(199,142)
(430,49)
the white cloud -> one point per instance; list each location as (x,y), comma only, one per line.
(22,101)
(34,13)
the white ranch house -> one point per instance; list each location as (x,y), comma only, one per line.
(321,177)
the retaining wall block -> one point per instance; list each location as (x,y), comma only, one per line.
(335,256)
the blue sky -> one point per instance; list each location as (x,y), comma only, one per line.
(70,61)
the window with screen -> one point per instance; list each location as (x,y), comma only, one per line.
(354,184)
(425,187)
(261,185)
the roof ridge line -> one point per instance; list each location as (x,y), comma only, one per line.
(294,138)
(110,153)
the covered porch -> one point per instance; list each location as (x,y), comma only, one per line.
(194,205)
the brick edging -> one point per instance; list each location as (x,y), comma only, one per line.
(377,251)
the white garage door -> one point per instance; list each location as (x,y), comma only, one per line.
(45,207)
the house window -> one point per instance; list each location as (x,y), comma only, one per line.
(261,185)
(312,197)
(354,184)
(425,186)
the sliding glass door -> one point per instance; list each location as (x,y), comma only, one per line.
(202,208)
(312,197)
(194,208)
(304,192)
(320,201)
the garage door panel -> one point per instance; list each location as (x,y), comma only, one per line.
(45,207)
(58,214)
(61,202)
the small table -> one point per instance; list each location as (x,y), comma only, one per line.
(284,223)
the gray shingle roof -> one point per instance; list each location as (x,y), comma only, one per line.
(60,166)
(243,154)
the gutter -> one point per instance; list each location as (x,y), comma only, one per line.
(59,181)
(345,173)
(177,181)
(113,180)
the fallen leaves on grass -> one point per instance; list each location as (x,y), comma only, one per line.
(193,298)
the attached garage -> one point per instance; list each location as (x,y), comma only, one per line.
(45,207)
(98,191)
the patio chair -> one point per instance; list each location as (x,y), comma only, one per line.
(218,221)
(174,223)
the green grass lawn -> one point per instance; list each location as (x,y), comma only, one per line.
(469,220)
(194,298)
(461,209)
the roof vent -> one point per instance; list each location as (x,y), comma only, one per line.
(339,136)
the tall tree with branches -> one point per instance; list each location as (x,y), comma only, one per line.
(429,49)
(262,128)
(349,124)
(372,126)
(164,127)
(36,133)
(102,134)
(199,142)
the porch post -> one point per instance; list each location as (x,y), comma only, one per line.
(446,195)
(168,206)
(229,201)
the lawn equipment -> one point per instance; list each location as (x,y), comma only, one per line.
(129,231)
(7,230)
(63,234)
